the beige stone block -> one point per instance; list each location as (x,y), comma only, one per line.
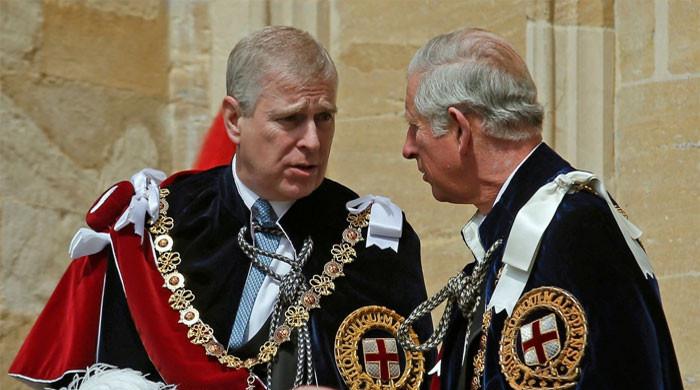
(105,48)
(366,156)
(635,24)
(312,16)
(372,79)
(540,10)
(691,383)
(20,30)
(593,13)
(35,170)
(14,329)
(372,82)
(367,57)
(388,21)
(683,33)
(540,59)
(129,154)
(189,34)
(33,253)
(187,86)
(373,43)
(507,18)
(187,116)
(565,12)
(376,93)
(584,80)
(659,169)
(188,123)
(230,20)
(144,9)
(82,121)
(680,296)
(372,21)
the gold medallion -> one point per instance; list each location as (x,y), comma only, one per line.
(544,340)
(371,331)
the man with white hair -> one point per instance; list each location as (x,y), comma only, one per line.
(245,274)
(561,294)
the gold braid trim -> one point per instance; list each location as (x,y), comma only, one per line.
(480,356)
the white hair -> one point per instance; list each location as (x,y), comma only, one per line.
(280,51)
(478,73)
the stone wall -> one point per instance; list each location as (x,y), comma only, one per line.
(93,90)
(657,153)
(84,85)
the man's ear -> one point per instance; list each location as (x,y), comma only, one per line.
(231,112)
(464,128)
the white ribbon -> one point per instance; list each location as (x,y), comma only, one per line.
(385,220)
(87,242)
(146,200)
(436,369)
(529,225)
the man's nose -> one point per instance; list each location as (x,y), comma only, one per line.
(409,146)
(310,139)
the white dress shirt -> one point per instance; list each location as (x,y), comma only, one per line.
(269,291)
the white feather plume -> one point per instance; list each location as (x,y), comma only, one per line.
(102,376)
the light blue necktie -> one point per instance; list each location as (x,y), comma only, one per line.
(265,216)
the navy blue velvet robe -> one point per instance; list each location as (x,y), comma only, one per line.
(209,213)
(583,252)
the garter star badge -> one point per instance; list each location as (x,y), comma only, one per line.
(370,332)
(544,340)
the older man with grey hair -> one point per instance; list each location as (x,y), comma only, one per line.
(561,294)
(259,272)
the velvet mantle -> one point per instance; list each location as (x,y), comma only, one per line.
(583,252)
(128,323)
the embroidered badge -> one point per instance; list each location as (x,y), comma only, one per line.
(370,331)
(381,358)
(540,340)
(543,340)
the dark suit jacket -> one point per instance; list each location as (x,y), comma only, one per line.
(209,213)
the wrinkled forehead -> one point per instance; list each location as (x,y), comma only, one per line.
(302,94)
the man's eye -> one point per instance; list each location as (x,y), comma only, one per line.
(324,117)
(291,118)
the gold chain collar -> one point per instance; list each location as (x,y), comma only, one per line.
(295,316)
(479,362)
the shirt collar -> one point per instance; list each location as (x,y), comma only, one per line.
(470,235)
(249,197)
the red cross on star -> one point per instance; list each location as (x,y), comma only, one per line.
(381,352)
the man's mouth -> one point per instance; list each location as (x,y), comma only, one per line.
(422,172)
(304,169)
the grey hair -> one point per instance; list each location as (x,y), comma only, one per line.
(281,51)
(478,73)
